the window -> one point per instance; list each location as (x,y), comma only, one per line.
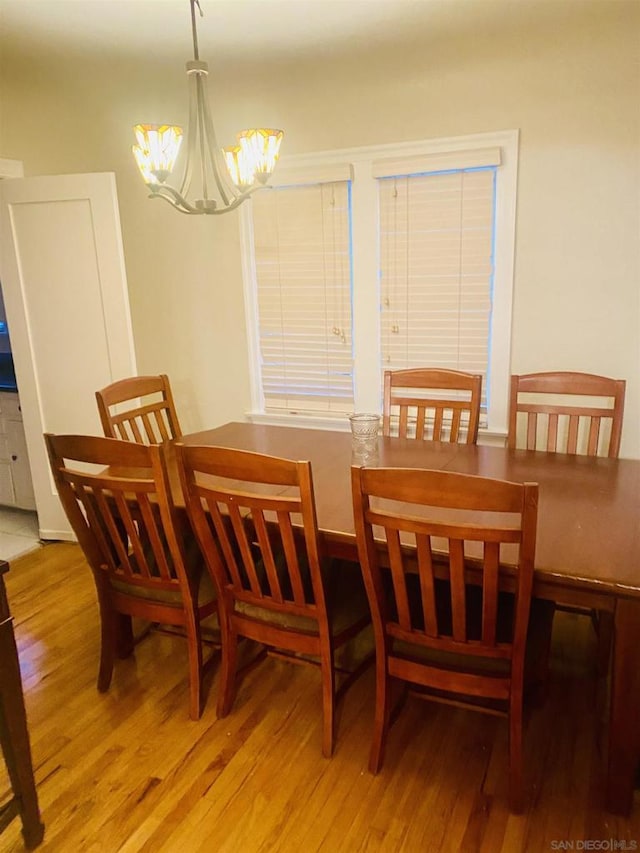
(436,270)
(303,279)
(381,258)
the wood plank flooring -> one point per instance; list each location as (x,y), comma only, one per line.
(128,771)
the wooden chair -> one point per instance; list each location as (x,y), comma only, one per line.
(544,415)
(434,629)
(554,422)
(256,525)
(135,544)
(147,422)
(416,397)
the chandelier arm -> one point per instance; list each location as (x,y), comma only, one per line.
(203,142)
(237,201)
(173,197)
(191,137)
(226,193)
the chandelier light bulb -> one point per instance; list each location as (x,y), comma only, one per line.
(157,150)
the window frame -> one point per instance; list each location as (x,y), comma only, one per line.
(360,164)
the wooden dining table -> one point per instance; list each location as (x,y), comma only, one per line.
(588,545)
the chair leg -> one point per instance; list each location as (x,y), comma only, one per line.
(108,641)
(381,716)
(539,651)
(516,803)
(227,671)
(328,706)
(604,629)
(194,644)
(125,640)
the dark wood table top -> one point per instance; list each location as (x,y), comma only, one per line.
(589,511)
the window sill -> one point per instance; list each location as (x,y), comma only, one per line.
(340,423)
(492,438)
(337,423)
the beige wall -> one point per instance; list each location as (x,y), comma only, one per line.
(573,90)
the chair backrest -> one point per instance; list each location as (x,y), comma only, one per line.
(255,520)
(117,497)
(544,414)
(432,403)
(426,525)
(150,421)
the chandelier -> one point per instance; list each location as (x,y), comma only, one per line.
(226,176)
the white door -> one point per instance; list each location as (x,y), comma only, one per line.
(65,293)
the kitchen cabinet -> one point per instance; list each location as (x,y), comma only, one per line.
(16,488)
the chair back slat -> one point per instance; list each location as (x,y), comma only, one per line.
(456,421)
(127,429)
(153,532)
(135,562)
(219,537)
(458,590)
(427,588)
(160,425)
(545,403)
(145,421)
(490,592)
(552,438)
(272,581)
(292,559)
(236,538)
(572,435)
(91,504)
(594,436)
(532,429)
(404,421)
(431,403)
(260,537)
(437,423)
(398,579)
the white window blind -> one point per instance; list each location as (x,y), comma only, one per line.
(303,277)
(436,268)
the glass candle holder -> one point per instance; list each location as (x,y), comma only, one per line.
(364,427)
(364,438)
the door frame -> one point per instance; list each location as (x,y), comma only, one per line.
(13,169)
(101,190)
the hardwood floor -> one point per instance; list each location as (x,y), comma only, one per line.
(129,771)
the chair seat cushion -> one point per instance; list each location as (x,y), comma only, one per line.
(345,595)
(196,571)
(450,660)
(538,635)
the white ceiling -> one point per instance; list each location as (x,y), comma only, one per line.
(255,28)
